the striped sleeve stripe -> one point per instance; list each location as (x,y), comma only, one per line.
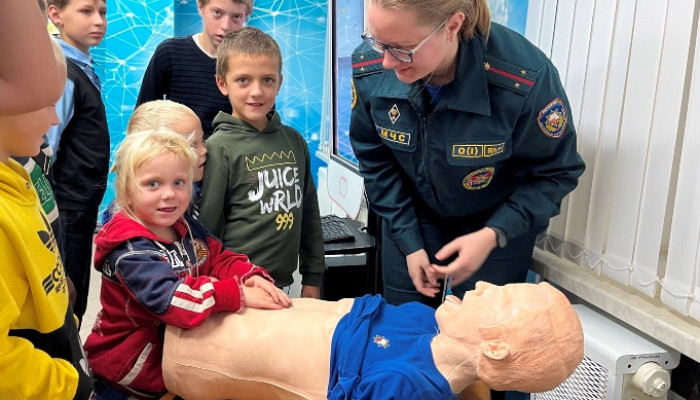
(193,306)
(198,294)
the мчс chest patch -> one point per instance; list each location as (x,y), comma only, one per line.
(553,119)
(403,138)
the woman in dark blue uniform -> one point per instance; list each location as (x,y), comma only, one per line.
(465,139)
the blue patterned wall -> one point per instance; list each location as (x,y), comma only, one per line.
(135,28)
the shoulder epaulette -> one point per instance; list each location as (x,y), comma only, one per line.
(366,62)
(510,76)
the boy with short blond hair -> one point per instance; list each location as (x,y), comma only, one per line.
(40,342)
(258,193)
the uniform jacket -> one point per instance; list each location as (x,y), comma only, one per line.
(500,141)
(259,197)
(148,282)
(41,355)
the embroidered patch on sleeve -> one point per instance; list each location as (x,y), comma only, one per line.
(354,94)
(553,119)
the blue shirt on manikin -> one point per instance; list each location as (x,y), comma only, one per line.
(382,355)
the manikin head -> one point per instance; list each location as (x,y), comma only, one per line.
(527,337)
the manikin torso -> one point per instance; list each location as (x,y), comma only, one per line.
(289,368)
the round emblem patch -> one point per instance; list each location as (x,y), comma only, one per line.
(553,118)
(478,179)
(354,94)
(201,251)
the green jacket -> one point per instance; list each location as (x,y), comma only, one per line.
(500,141)
(259,197)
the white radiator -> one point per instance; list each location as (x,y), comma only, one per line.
(619,364)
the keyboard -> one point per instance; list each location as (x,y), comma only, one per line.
(334,229)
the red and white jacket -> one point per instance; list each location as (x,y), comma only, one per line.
(148,282)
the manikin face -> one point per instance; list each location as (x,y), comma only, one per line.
(191,128)
(252,84)
(160,193)
(218,18)
(82,23)
(488,306)
(400,29)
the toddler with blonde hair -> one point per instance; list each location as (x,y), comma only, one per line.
(160,267)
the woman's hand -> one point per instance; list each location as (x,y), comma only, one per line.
(258,292)
(422,273)
(472,250)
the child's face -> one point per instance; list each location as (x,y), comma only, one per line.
(82,23)
(197,140)
(160,193)
(23,134)
(251,84)
(218,18)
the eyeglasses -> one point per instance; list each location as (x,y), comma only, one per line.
(405,56)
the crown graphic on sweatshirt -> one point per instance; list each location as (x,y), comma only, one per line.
(275,159)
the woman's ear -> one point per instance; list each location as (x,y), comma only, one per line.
(454,24)
(495,349)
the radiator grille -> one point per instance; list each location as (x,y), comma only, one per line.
(588,382)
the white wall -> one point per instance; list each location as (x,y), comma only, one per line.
(632,74)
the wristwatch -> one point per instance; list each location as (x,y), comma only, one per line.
(501,239)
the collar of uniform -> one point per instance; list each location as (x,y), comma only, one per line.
(467,92)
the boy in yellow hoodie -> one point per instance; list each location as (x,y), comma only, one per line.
(41,355)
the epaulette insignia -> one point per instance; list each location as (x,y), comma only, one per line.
(365,63)
(510,76)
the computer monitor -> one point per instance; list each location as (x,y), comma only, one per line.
(345,185)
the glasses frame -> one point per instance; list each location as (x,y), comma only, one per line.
(405,56)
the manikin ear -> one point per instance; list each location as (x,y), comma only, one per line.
(495,349)
(221,83)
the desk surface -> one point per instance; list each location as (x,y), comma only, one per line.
(363,241)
